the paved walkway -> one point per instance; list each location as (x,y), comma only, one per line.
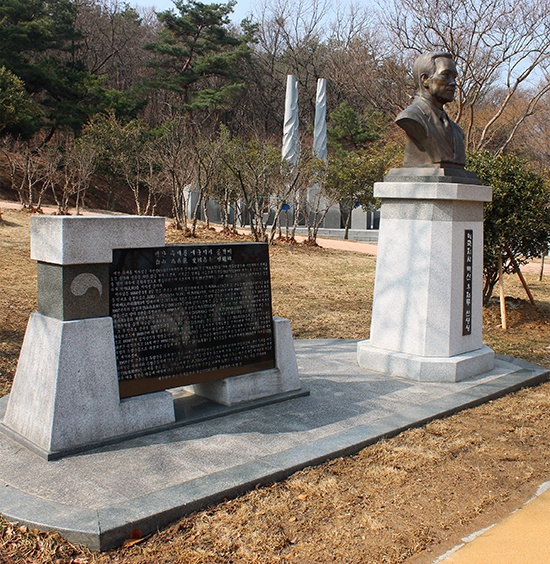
(522,538)
(340,244)
(371,249)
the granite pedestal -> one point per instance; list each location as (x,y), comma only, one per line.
(100,497)
(427,307)
(65,392)
(264,383)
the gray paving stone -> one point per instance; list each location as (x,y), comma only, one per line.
(99,497)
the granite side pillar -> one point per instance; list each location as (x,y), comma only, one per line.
(65,393)
(427,306)
(359,218)
(255,385)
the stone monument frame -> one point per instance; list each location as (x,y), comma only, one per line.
(65,395)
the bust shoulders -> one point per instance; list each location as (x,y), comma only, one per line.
(428,140)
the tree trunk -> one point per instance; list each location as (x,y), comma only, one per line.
(502,296)
(347,225)
(196,214)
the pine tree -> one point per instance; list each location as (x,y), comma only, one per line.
(39,43)
(198,56)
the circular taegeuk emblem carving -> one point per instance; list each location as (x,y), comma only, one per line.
(83,282)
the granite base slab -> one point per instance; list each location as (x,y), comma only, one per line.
(425,369)
(99,497)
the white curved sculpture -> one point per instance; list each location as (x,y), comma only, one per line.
(320,131)
(291,140)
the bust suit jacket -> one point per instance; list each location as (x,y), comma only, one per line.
(432,138)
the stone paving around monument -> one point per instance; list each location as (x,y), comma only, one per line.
(97,498)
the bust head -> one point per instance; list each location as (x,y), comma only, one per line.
(432,138)
(435,77)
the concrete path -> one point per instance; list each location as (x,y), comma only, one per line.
(340,244)
(522,538)
(98,497)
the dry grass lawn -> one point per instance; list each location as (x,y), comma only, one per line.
(409,498)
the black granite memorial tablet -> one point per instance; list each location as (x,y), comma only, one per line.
(191,313)
(468,282)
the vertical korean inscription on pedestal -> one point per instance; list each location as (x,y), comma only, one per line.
(468,277)
(191,313)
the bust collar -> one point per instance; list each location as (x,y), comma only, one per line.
(441,114)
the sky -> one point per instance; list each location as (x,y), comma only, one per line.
(241,10)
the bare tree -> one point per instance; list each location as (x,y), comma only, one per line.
(533,141)
(52,157)
(290,39)
(501,48)
(26,170)
(82,159)
(285,194)
(28,167)
(11,147)
(209,158)
(126,151)
(254,167)
(68,165)
(180,168)
(134,160)
(113,39)
(362,68)
(66,184)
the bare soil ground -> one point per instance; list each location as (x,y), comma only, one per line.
(407,499)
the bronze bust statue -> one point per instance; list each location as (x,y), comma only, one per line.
(433,140)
